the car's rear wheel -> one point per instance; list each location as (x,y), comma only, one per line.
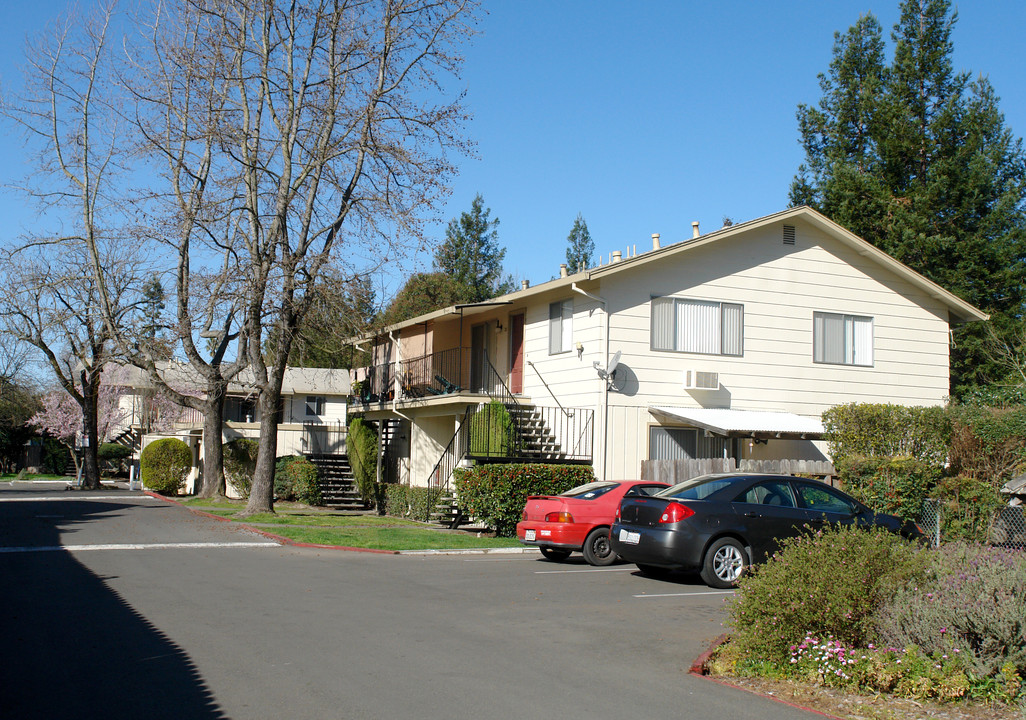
(554,554)
(597,550)
(724,563)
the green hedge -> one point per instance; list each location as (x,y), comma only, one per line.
(113,455)
(416,503)
(497,494)
(897,486)
(239,457)
(362,450)
(295,479)
(875,430)
(491,431)
(164,465)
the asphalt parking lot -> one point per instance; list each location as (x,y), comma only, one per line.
(118,605)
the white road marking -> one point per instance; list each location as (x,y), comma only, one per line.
(75,498)
(588,570)
(688,594)
(139,546)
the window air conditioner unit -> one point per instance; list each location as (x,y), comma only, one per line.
(695,380)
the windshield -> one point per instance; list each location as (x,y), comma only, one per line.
(698,488)
(589,491)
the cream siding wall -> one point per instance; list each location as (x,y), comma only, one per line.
(334,409)
(780,288)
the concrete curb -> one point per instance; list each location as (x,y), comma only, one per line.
(699,668)
(293,543)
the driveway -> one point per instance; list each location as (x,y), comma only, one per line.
(152,611)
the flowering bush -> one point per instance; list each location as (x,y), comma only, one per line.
(973,598)
(831,581)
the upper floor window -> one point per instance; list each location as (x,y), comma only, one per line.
(561,326)
(697,326)
(842,339)
(314,405)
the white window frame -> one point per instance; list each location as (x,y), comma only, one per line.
(853,333)
(561,326)
(728,331)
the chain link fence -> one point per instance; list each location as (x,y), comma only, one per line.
(1006,527)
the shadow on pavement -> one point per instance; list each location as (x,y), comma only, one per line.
(73,647)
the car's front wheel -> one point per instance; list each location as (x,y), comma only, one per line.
(597,549)
(724,563)
(554,554)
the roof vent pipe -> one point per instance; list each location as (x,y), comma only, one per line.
(524,284)
(562,270)
(655,241)
(617,256)
(694,229)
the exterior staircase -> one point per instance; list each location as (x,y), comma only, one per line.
(335,479)
(538,442)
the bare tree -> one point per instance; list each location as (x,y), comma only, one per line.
(331,135)
(50,298)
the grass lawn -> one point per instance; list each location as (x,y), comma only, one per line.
(7,477)
(327,527)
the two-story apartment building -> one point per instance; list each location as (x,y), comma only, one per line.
(731,343)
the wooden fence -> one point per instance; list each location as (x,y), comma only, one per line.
(675,471)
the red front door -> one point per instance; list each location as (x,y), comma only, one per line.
(516,351)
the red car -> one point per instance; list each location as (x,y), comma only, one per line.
(579,519)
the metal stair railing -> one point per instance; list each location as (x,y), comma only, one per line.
(452,456)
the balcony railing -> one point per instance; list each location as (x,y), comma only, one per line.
(441,373)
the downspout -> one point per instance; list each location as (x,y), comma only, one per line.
(604,396)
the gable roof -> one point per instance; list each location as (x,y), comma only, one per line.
(960,310)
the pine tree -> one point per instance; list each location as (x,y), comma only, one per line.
(580,248)
(916,158)
(471,255)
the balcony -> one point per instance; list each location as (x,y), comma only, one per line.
(448,372)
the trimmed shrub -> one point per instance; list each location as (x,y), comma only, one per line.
(829,583)
(362,449)
(897,486)
(988,443)
(491,431)
(416,503)
(113,455)
(55,457)
(972,602)
(164,464)
(240,456)
(496,494)
(874,430)
(295,479)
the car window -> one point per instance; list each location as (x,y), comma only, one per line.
(698,488)
(642,490)
(824,499)
(772,492)
(590,491)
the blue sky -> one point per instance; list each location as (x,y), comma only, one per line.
(643,116)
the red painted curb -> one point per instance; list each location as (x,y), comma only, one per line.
(699,669)
(272,536)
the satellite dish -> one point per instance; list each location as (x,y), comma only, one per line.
(609,371)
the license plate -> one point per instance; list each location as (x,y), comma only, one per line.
(629,538)
(529,535)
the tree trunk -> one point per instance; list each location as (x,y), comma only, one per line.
(261,495)
(213,449)
(90,398)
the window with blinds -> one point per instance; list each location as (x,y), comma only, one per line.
(561,326)
(697,326)
(842,339)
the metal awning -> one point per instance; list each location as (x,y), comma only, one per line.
(745,423)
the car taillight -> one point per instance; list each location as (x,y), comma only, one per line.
(523,515)
(675,512)
(616,518)
(563,517)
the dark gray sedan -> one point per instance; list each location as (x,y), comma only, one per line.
(721,524)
